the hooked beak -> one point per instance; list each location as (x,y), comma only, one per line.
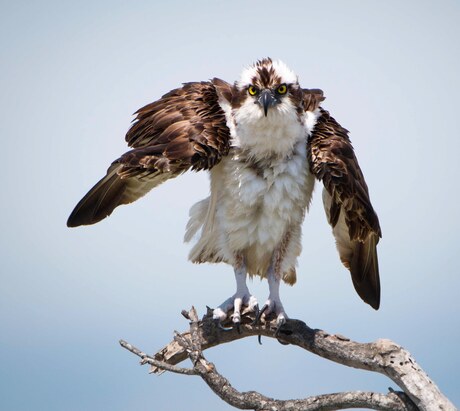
(266,99)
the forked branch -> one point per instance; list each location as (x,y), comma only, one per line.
(383,356)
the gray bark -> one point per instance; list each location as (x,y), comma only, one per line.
(383,356)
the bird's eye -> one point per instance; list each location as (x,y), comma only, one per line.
(282,89)
(253,90)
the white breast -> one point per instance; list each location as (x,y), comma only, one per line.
(259,192)
(257,206)
(277,133)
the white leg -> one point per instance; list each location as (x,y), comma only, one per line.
(241,298)
(273,303)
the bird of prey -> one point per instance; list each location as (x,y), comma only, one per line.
(264,141)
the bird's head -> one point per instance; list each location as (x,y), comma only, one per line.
(269,85)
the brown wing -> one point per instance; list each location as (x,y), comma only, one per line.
(348,207)
(185,129)
(312,98)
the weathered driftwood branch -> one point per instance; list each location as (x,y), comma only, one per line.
(383,356)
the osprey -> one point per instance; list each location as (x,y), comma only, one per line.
(264,141)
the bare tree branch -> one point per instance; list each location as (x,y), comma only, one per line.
(382,356)
(146,359)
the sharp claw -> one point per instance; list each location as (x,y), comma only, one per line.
(279,325)
(260,313)
(256,312)
(237,324)
(220,326)
(256,321)
(224,328)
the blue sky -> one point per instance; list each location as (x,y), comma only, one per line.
(72,74)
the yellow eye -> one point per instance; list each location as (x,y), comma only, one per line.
(282,89)
(253,90)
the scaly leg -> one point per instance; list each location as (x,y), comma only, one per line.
(241,298)
(273,304)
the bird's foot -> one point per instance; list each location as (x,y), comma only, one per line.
(241,303)
(272,308)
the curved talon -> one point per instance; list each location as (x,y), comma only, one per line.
(219,325)
(260,313)
(256,313)
(280,323)
(237,325)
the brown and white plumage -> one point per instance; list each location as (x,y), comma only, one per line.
(347,204)
(263,140)
(183,130)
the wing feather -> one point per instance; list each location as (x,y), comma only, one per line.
(185,129)
(347,204)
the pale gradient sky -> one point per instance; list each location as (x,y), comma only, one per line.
(72,73)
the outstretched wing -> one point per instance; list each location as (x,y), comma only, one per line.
(185,129)
(355,224)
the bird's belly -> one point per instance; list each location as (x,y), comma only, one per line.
(260,216)
(259,206)
(254,210)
